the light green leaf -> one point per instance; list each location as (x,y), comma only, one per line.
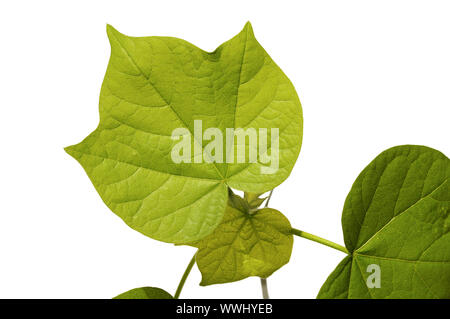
(397,217)
(238,202)
(245,245)
(154,85)
(145,293)
(254,200)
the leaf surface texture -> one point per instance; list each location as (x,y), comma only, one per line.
(245,245)
(154,85)
(397,216)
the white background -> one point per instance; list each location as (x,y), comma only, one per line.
(370,75)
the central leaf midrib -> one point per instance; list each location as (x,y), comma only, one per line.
(165,100)
(218,181)
(230,246)
(415,262)
(237,90)
(402,260)
(362,276)
(399,214)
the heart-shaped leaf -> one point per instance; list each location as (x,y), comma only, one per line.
(396,224)
(243,245)
(163,96)
(145,293)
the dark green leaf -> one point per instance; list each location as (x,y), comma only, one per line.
(397,217)
(245,245)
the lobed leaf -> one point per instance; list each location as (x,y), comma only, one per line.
(154,85)
(245,245)
(397,217)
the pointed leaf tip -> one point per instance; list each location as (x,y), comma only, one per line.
(109,28)
(71,150)
(112,32)
(248,27)
(68,149)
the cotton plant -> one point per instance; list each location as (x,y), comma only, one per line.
(181,130)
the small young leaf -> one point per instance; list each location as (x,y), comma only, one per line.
(254,200)
(396,223)
(145,293)
(238,202)
(245,245)
(154,85)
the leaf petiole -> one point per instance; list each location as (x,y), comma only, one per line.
(183,279)
(264,288)
(319,240)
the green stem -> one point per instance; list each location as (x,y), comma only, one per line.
(264,288)
(268,198)
(319,240)
(183,279)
